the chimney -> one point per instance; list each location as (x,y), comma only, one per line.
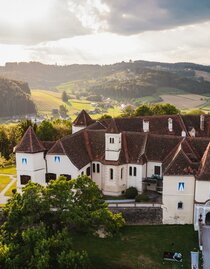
(202,122)
(170,125)
(145,126)
(183,133)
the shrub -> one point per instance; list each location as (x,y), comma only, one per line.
(131,193)
(142,198)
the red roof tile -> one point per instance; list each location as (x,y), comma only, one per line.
(83,119)
(30,143)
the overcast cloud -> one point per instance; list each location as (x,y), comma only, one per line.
(103,31)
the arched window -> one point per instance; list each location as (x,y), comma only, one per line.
(94,168)
(88,171)
(111,173)
(98,168)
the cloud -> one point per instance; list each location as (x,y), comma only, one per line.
(32,22)
(129,17)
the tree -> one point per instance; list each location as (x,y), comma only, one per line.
(128,111)
(65,97)
(63,111)
(164,109)
(39,223)
(45,131)
(143,110)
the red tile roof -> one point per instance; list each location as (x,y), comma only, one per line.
(83,119)
(30,143)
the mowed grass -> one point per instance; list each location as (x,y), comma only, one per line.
(9,191)
(140,247)
(4,181)
(8,170)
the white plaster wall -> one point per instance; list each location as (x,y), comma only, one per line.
(83,170)
(135,181)
(171,198)
(77,128)
(35,168)
(96,177)
(144,170)
(35,161)
(116,185)
(65,166)
(151,168)
(202,192)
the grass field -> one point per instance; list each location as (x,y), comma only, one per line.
(140,247)
(184,101)
(9,191)
(4,181)
(8,170)
(48,100)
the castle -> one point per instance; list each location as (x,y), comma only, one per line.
(169,153)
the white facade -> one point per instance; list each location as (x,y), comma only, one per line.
(178,199)
(32,165)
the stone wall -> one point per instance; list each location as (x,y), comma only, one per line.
(142,215)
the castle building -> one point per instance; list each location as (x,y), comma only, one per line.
(166,153)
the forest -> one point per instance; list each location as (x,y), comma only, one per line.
(15,98)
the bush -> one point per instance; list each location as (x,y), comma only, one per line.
(131,193)
(142,198)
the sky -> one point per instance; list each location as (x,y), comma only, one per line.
(104,31)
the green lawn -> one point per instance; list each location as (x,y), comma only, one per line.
(8,170)
(140,247)
(9,191)
(4,181)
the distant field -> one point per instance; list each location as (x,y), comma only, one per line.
(48,100)
(184,101)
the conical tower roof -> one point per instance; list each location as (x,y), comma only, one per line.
(83,119)
(30,143)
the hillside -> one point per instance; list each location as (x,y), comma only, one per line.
(15,98)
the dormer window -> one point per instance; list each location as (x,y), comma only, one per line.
(57,159)
(111,140)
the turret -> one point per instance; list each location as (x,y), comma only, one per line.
(82,121)
(30,161)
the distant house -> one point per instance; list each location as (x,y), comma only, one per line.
(173,151)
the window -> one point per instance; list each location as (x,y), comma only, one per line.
(181,186)
(157,170)
(94,168)
(24,179)
(57,159)
(68,177)
(82,173)
(111,140)
(49,176)
(130,171)
(180,205)
(98,168)
(111,173)
(134,171)
(121,174)
(24,161)
(88,171)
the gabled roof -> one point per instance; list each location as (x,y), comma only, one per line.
(180,164)
(30,143)
(83,119)
(204,170)
(112,127)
